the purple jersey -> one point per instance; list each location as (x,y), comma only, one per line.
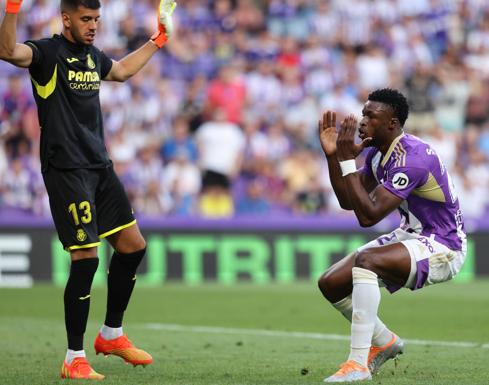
(412,171)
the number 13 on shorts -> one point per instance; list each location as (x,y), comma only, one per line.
(80,212)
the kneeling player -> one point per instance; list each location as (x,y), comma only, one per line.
(400,172)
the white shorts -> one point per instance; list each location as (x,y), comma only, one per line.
(431,261)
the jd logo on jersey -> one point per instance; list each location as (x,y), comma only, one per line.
(400,181)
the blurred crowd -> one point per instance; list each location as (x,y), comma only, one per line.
(223,121)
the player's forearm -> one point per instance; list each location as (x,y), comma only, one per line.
(338,183)
(364,207)
(8,36)
(133,63)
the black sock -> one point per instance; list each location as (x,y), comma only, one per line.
(121,281)
(77,300)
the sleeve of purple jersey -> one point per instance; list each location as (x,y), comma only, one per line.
(367,166)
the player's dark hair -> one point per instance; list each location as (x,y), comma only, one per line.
(71,5)
(392,98)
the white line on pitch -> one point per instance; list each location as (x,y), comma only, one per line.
(279,333)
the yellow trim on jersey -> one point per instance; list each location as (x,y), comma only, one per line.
(45,91)
(430,190)
(391,148)
(400,155)
(110,232)
(397,156)
(402,150)
(87,246)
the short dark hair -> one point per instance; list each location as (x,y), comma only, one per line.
(74,4)
(392,98)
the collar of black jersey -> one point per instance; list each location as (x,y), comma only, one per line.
(73,47)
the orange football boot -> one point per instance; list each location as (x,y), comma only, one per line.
(122,347)
(350,371)
(79,368)
(378,355)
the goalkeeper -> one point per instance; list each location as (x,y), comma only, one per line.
(87,200)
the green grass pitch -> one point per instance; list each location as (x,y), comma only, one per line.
(243,334)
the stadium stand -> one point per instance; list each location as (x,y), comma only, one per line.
(270,68)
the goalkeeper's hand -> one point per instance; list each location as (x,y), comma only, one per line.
(165,23)
(13,6)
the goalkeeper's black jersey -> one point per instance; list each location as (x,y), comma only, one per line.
(66,81)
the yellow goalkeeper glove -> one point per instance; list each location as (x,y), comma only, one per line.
(165,23)
(13,6)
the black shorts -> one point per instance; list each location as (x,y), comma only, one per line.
(86,205)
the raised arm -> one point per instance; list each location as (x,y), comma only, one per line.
(132,63)
(328,137)
(369,208)
(19,55)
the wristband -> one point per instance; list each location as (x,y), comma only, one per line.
(348,167)
(159,38)
(13,7)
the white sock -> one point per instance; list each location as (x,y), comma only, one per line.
(109,333)
(365,301)
(382,335)
(72,354)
